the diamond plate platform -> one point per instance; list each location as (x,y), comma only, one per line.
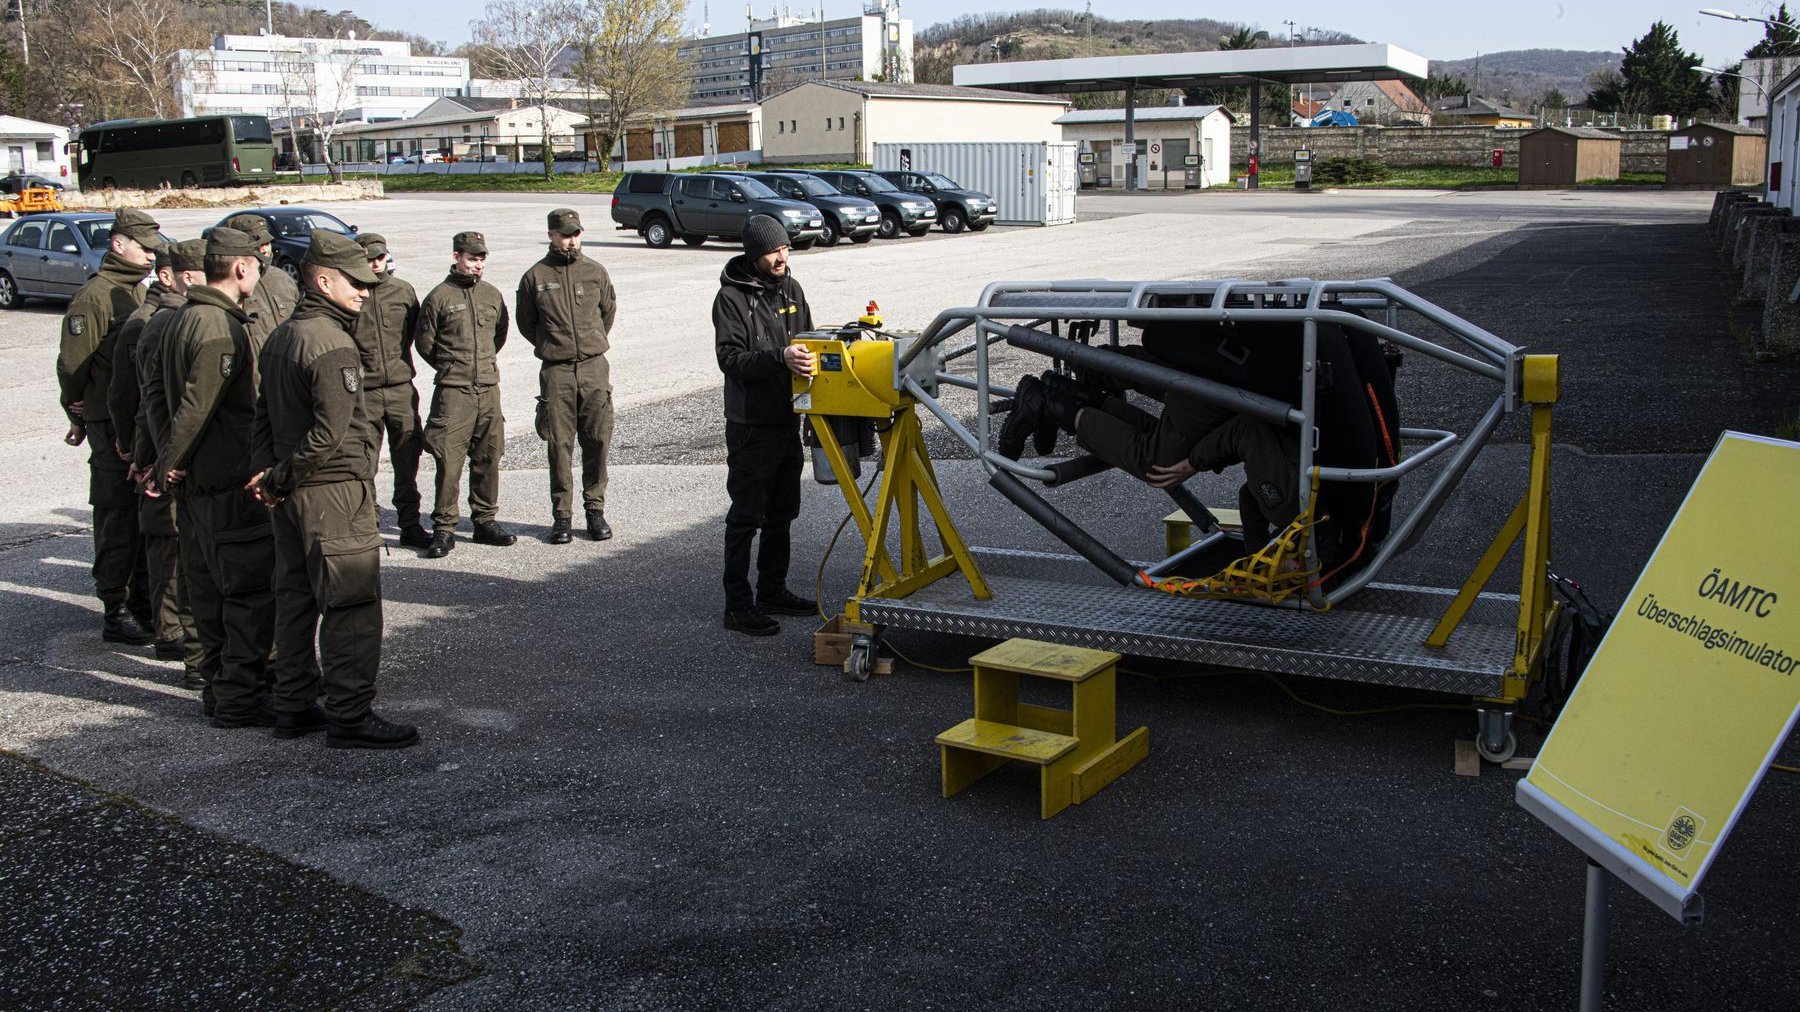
(1377,637)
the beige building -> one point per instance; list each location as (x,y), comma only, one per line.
(465,129)
(691,137)
(842,121)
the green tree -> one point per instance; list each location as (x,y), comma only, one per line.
(1657,76)
(1779,38)
(1441,85)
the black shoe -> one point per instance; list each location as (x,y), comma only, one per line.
(194,683)
(441,543)
(301,722)
(415,536)
(262,716)
(559,531)
(171,650)
(598,528)
(492,533)
(1064,397)
(786,602)
(370,732)
(752,623)
(1023,420)
(119,626)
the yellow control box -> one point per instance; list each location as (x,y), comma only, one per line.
(850,378)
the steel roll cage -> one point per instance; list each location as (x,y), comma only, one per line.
(1019,311)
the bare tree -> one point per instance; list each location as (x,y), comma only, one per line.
(631,55)
(318,86)
(139,43)
(525,41)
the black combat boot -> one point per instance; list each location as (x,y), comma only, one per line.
(370,732)
(300,722)
(415,536)
(559,531)
(262,716)
(751,623)
(171,650)
(1023,420)
(1064,397)
(786,602)
(491,533)
(441,543)
(598,528)
(120,626)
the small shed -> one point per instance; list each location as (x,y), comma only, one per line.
(1716,154)
(1564,156)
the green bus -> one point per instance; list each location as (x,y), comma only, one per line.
(151,153)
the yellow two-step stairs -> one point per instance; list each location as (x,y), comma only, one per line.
(1076,750)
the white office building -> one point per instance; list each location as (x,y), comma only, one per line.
(274,75)
(777,53)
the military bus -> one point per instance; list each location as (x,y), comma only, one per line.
(198,151)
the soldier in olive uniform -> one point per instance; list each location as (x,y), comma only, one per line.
(158,513)
(384,332)
(209,385)
(84,369)
(315,454)
(156,522)
(566,308)
(462,326)
(276,294)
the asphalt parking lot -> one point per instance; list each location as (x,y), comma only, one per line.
(619,805)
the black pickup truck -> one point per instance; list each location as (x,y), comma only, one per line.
(958,208)
(662,205)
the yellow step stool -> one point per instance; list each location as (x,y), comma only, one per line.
(1178,530)
(1077,750)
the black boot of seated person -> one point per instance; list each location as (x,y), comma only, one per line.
(1023,420)
(491,533)
(751,623)
(559,531)
(441,544)
(786,602)
(370,732)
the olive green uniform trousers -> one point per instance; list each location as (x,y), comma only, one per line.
(575,406)
(328,590)
(226,558)
(466,424)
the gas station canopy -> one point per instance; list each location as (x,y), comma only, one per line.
(1278,65)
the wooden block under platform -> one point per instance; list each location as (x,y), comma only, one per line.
(1468,761)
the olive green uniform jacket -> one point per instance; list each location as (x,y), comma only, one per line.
(90,331)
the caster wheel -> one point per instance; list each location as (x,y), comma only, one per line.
(1506,751)
(860,662)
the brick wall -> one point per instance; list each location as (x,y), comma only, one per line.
(1642,151)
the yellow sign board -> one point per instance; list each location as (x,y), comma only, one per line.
(1694,688)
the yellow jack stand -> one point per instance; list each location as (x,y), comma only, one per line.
(1077,750)
(907,481)
(1541,388)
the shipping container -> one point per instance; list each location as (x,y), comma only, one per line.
(1033,182)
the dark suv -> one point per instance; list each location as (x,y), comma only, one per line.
(660,206)
(957,207)
(853,218)
(912,213)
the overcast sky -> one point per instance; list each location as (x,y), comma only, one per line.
(1451,31)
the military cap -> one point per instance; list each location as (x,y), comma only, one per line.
(340,252)
(253,226)
(225,241)
(188,255)
(135,224)
(564,221)
(374,245)
(162,252)
(472,243)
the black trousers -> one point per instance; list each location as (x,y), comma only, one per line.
(762,476)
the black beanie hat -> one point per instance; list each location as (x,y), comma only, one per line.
(763,235)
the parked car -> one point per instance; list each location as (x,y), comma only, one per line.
(957,208)
(16,182)
(853,218)
(662,205)
(292,228)
(912,213)
(48,256)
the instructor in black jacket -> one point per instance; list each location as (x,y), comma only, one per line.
(760,307)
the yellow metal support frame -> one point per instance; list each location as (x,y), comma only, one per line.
(907,482)
(1541,388)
